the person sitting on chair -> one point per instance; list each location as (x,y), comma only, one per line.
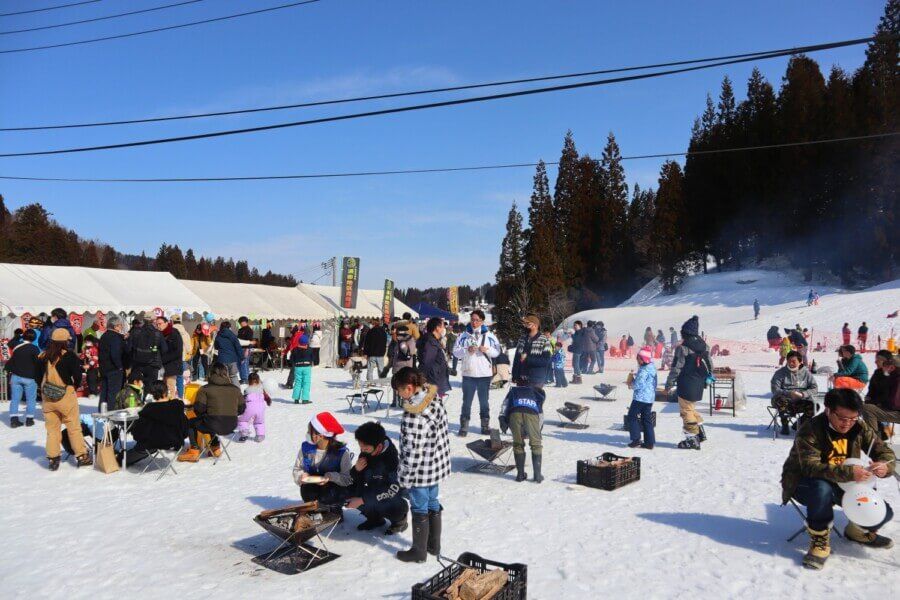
(852,371)
(322,468)
(161,424)
(376,488)
(883,397)
(793,390)
(217,407)
(815,466)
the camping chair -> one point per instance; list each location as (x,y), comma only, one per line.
(155,455)
(803,518)
(225,440)
(775,425)
(363,399)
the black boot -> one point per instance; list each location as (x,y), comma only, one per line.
(29,422)
(463,427)
(53,464)
(536,467)
(397,527)
(418,551)
(434,533)
(370,524)
(485,426)
(521,475)
(15,422)
(785,426)
(701,436)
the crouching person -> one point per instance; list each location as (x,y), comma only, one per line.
(424,459)
(376,489)
(217,407)
(522,411)
(793,390)
(815,466)
(322,468)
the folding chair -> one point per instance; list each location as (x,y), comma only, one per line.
(774,424)
(803,518)
(206,448)
(158,454)
(363,398)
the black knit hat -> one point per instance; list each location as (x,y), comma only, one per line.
(691,326)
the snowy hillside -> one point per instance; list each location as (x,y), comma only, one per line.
(723,301)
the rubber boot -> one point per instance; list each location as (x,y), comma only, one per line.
(418,551)
(53,463)
(521,475)
(485,426)
(785,426)
(536,467)
(866,537)
(463,427)
(434,532)
(819,548)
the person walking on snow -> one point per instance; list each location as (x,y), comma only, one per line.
(641,409)
(862,335)
(301,362)
(673,337)
(846,333)
(810,297)
(755,309)
(256,400)
(691,368)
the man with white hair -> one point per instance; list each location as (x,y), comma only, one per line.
(112,361)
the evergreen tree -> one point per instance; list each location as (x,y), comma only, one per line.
(109,259)
(669,248)
(5,226)
(162,258)
(241,271)
(510,277)
(143,263)
(565,206)
(615,207)
(176,262)
(90,257)
(190,265)
(543,266)
(204,269)
(31,237)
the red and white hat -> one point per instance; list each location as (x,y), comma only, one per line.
(326,424)
(645,355)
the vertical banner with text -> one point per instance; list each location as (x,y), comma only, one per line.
(349,282)
(453,298)
(387,302)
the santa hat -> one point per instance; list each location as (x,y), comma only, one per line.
(326,424)
(645,355)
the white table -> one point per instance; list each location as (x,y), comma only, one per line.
(126,419)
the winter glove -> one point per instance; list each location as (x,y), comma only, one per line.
(504,424)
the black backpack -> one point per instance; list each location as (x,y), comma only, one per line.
(144,349)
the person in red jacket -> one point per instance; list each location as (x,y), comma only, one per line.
(845,334)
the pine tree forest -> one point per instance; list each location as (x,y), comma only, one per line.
(823,207)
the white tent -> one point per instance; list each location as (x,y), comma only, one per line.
(368,302)
(41,288)
(256,301)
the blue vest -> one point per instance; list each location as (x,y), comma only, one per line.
(330,464)
(525,398)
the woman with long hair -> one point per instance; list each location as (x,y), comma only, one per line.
(62,375)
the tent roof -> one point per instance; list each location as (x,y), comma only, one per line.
(429,310)
(41,288)
(232,300)
(368,302)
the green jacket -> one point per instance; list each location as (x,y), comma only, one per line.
(819,453)
(854,367)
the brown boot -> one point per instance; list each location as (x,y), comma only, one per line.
(192,455)
(819,548)
(855,533)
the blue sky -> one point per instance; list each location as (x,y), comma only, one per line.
(419,230)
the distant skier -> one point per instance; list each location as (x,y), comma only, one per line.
(755,309)
(815,298)
(810,297)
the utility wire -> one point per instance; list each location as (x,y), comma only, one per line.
(106,18)
(159,29)
(445,103)
(443,169)
(37,10)
(760,54)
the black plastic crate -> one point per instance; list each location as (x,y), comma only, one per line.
(516,588)
(652,419)
(608,477)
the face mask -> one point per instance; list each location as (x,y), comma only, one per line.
(793,369)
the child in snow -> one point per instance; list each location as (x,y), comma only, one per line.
(255,414)
(784,349)
(302,362)
(668,353)
(424,459)
(132,395)
(559,364)
(90,357)
(639,413)
(322,468)
(376,490)
(523,412)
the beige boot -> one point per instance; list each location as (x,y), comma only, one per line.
(819,548)
(855,533)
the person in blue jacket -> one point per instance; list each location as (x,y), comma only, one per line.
(376,490)
(523,412)
(59,319)
(640,412)
(229,351)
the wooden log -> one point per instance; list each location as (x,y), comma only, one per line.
(452,591)
(478,587)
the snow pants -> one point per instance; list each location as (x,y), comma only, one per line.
(690,418)
(63,412)
(522,425)
(849,383)
(254,414)
(302,382)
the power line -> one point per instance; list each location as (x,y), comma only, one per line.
(444,103)
(159,29)
(441,169)
(106,18)
(37,10)
(760,54)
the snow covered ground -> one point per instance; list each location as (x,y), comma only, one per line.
(697,524)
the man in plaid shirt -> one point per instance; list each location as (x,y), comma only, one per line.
(424,459)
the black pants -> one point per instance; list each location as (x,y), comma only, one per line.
(394,510)
(110,385)
(330,493)
(199,425)
(315,352)
(197,361)
(290,381)
(150,372)
(93,381)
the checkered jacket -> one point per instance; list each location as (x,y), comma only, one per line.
(424,441)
